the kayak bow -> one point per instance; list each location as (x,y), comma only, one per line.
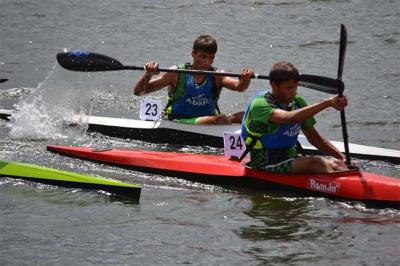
(5,114)
(355,185)
(67,179)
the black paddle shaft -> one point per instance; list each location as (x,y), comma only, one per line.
(92,62)
(342,54)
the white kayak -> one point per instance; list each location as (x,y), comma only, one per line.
(165,131)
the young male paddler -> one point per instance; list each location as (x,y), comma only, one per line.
(193,98)
(272,123)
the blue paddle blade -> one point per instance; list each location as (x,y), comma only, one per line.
(84,61)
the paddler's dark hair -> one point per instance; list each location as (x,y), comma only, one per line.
(283,71)
(205,43)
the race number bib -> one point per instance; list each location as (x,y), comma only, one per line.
(150,109)
(234,145)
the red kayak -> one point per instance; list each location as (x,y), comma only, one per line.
(350,185)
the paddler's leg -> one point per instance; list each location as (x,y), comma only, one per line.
(205,120)
(339,165)
(316,165)
(236,117)
(212,120)
(221,119)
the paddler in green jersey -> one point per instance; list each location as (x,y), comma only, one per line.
(193,98)
(272,123)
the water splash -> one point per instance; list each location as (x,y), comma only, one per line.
(15,93)
(41,114)
(32,121)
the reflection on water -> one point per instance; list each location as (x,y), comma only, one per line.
(278,218)
(301,231)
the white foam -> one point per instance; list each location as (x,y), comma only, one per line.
(41,114)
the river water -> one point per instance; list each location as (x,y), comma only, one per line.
(177,221)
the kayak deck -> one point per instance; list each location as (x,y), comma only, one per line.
(352,185)
(52,176)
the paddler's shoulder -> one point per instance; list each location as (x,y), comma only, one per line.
(300,100)
(171,78)
(262,101)
(172,75)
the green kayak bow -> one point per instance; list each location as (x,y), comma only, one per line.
(57,177)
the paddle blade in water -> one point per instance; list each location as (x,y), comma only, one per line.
(87,62)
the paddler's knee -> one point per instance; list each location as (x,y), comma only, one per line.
(222,120)
(236,117)
(339,165)
(311,165)
(211,120)
(320,165)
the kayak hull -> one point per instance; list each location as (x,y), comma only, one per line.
(57,177)
(349,185)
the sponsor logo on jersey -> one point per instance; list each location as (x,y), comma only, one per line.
(293,131)
(199,100)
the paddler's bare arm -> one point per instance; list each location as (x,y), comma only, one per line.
(147,85)
(240,84)
(280,116)
(322,143)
